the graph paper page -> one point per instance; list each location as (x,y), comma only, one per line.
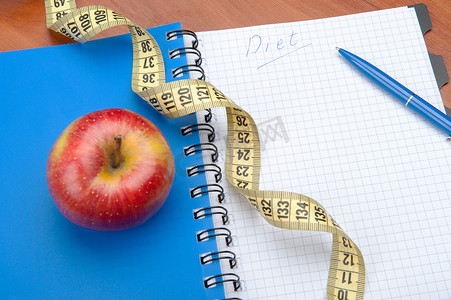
(381,171)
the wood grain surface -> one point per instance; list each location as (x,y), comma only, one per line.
(22,22)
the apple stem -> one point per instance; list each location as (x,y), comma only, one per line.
(117,151)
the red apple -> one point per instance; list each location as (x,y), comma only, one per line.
(110,170)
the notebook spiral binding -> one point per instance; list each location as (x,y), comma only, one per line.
(212,188)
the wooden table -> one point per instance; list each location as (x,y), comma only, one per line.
(22,22)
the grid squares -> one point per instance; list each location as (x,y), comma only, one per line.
(381,171)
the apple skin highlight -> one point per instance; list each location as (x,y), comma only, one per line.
(89,191)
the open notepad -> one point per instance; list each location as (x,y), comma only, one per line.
(381,171)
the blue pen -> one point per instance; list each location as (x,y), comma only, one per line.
(403,94)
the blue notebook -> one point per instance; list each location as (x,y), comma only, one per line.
(43,255)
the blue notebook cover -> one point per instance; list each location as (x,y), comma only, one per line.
(43,255)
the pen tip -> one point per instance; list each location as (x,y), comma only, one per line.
(338,48)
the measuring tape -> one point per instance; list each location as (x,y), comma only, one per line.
(287,210)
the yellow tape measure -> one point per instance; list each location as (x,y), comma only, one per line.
(282,209)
